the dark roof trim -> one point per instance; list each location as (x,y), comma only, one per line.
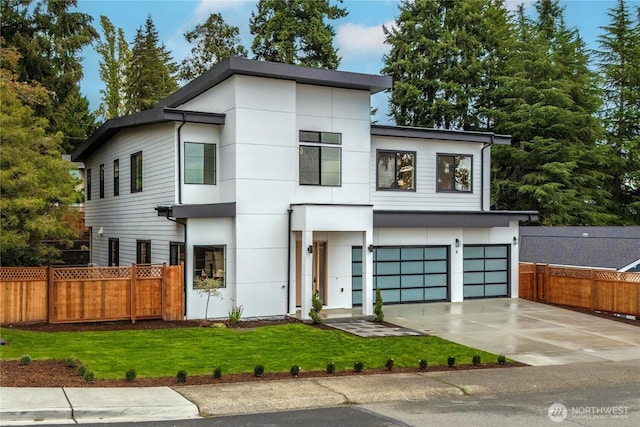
(451,219)
(275,70)
(212,210)
(441,134)
(147,117)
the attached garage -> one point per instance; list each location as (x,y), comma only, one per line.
(486,271)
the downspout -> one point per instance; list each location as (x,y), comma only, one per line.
(482,173)
(289,211)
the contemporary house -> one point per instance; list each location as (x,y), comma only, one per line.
(615,248)
(271,178)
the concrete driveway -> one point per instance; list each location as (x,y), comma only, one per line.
(529,332)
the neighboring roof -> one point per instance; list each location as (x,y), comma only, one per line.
(602,247)
(147,117)
(275,70)
(481,219)
(441,134)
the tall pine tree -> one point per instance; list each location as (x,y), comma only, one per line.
(115,57)
(296,32)
(151,73)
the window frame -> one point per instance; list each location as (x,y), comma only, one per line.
(176,253)
(116,177)
(143,248)
(88,184)
(199,264)
(102,181)
(114,249)
(136,172)
(395,165)
(322,141)
(440,185)
(212,162)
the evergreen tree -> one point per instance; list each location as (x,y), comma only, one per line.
(547,101)
(49,39)
(115,54)
(619,68)
(296,32)
(213,41)
(36,187)
(443,58)
(150,75)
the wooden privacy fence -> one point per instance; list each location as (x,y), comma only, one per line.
(91,294)
(602,290)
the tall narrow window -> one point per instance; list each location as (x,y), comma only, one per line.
(114,252)
(102,181)
(143,252)
(116,177)
(136,172)
(199,163)
(88,186)
(396,170)
(455,173)
(176,253)
(320,164)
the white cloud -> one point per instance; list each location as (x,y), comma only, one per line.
(354,40)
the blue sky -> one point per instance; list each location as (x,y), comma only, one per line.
(359,36)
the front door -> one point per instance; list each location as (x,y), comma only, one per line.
(319,271)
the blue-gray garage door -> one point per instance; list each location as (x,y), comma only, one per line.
(486,271)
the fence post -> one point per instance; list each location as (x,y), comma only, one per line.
(134,278)
(592,274)
(546,284)
(50,295)
(164,291)
(534,285)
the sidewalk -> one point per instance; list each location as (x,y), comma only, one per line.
(22,406)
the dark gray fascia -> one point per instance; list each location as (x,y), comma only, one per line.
(211,210)
(148,117)
(440,134)
(275,70)
(451,219)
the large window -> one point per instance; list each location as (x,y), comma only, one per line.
(199,163)
(88,186)
(454,172)
(136,172)
(321,163)
(114,252)
(395,170)
(102,181)
(143,252)
(211,261)
(116,177)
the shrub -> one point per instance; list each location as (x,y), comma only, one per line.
(81,370)
(316,307)
(476,360)
(295,370)
(70,362)
(502,359)
(389,364)
(358,366)
(422,364)
(25,359)
(235,314)
(378,307)
(217,373)
(89,377)
(258,371)
(181,376)
(331,368)
(131,375)
(451,361)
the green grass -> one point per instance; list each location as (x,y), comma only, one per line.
(162,352)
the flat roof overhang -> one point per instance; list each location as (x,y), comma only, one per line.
(208,210)
(481,219)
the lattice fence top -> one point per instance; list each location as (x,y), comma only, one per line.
(22,274)
(576,273)
(527,268)
(617,276)
(91,273)
(149,271)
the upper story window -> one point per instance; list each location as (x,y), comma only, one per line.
(102,181)
(88,184)
(116,177)
(320,163)
(143,252)
(136,172)
(199,163)
(396,170)
(455,172)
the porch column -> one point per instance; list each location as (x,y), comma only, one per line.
(306,275)
(367,273)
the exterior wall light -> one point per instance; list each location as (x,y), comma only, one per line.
(370,248)
(310,249)
(515,241)
(457,243)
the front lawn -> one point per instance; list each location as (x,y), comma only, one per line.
(162,352)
